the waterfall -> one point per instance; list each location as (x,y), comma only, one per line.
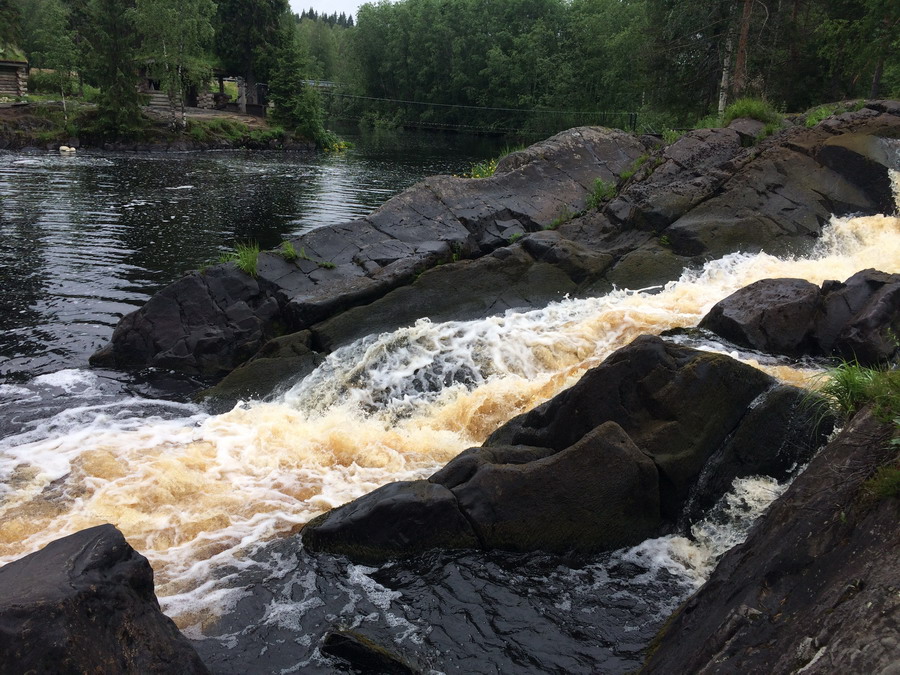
(195,493)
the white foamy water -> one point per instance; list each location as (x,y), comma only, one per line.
(194,494)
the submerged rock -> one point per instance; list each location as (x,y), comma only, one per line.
(85,604)
(602,465)
(858,319)
(814,586)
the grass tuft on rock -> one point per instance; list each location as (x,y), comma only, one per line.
(245,256)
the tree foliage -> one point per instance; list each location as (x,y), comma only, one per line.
(110,59)
(176,34)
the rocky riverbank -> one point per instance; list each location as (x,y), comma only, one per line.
(640,446)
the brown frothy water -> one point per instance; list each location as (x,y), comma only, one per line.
(193,494)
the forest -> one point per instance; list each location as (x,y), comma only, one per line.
(479,65)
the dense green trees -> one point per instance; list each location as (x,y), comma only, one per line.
(677,58)
(527,65)
(175,36)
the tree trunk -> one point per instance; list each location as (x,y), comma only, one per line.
(740,63)
(726,69)
(876,78)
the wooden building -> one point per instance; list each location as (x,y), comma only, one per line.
(13,72)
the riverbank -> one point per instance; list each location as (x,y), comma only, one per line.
(48,125)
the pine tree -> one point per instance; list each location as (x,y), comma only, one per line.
(110,57)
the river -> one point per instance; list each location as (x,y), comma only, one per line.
(214,500)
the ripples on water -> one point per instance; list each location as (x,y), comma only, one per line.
(85,239)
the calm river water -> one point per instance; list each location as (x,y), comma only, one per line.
(85,239)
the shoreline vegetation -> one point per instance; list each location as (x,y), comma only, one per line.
(47,125)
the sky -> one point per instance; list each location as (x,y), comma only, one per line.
(328,6)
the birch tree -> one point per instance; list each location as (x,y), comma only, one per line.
(175,37)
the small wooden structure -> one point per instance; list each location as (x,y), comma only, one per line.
(13,72)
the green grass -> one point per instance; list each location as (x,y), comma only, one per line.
(669,136)
(563,217)
(513,238)
(601,192)
(819,113)
(245,256)
(288,252)
(851,386)
(633,169)
(753,108)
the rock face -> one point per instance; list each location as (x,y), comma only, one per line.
(209,323)
(602,465)
(857,319)
(813,589)
(83,604)
(705,195)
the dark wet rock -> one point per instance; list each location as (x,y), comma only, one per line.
(649,265)
(857,319)
(85,604)
(191,327)
(684,175)
(814,586)
(509,278)
(677,404)
(601,493)
(771,315)
(861,317)
(605,464)
(780,433)
(396,520)
(779,194)
(749,130)
(278,364)
(363,654)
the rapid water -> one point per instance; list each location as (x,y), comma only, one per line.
(195,492)
(212,500)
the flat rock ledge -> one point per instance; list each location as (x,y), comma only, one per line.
(85,604)
(448,239)
(656,433)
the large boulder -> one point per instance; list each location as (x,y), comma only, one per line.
(857,319)
(85,604)
(192,327)
(813,589)
(602,465)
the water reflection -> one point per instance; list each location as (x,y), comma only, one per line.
(85,239)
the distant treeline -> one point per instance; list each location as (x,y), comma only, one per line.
(670,60)
(532,65)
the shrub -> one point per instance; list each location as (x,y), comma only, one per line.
(483,169)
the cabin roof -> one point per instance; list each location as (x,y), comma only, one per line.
(11,55)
